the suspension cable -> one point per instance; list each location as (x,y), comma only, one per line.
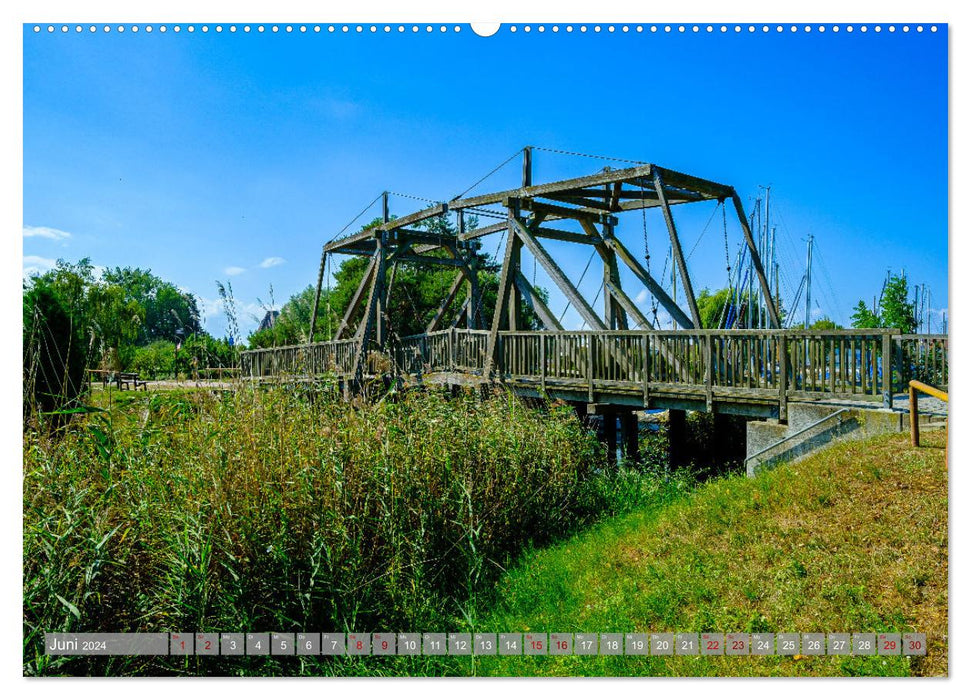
(579,282)
(487,176)
(589,155)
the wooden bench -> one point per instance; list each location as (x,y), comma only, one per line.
(125,379)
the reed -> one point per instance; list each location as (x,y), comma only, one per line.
(282,510)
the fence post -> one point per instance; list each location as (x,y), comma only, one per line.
(914,426)
(709,351)
(590,367)
(887,367)
(783,377)
(542,361)
(452,340)
(645,370)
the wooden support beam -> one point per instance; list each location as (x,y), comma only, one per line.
(429,260)
(629,306)
(362,248)
(614,314)
(402,236)
(449,298)
(652,286)
(484,231)
(583,202)
(558,235)
(514,307)
(622,194)
(712,190)
(463,313)
(558,277)
(502,299)
(313,313)
(399,252)
(553,210)
(536,303)
(355,301)
(756,260)
(647,203)
(380,291)
(601,178)
(366,328)
(402,221)
(473,316)
(689,292)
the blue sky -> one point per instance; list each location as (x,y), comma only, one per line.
(219,156)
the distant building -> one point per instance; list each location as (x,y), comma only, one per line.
(269,320)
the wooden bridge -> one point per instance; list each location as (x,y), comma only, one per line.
(744,372)
(623,361)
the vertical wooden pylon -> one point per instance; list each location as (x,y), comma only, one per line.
(614,314)
(515,301)
(381,279)
(500,316)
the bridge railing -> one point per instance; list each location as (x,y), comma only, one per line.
(868,364)
(922,357)
(454,349)
(332,357)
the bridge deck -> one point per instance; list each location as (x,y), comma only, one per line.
(753,372)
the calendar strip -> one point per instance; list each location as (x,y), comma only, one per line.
(802,644)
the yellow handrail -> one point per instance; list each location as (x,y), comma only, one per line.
(913,388)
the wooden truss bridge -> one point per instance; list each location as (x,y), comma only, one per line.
(622,360)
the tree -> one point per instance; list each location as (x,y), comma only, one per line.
(863,317)
(167,308)
(121,310)
(723,309)
(825,324)
(895,311)
(415,296)
(55,352)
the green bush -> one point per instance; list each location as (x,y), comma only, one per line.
(154,361)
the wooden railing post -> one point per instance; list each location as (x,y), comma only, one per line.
(709,351)
(590,367)
(542,361)
(645,370)
(451,349)
(783,377)
(887,367)
(914,427)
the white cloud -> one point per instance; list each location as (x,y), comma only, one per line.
(210,307)
(34,264)
(53,234)
(272,262)
(641,296)
(233,270)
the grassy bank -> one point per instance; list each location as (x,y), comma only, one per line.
(276,511)
(852,539)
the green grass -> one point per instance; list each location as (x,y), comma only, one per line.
(286,511)
(283,511)
(852,539)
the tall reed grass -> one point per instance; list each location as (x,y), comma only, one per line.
(276,510)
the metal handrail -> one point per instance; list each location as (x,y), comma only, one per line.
(796,434)
(913,387)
